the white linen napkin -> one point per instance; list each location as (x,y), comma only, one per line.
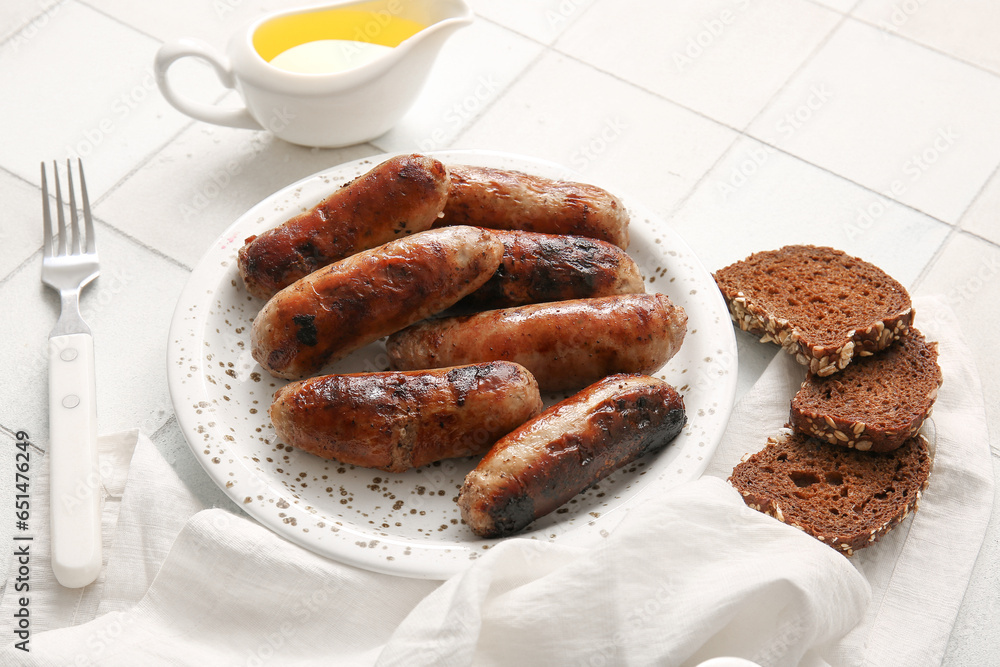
(685,576)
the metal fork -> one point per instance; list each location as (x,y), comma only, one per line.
(74,477)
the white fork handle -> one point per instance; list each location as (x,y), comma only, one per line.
(74,476)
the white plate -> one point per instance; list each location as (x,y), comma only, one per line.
(409,524)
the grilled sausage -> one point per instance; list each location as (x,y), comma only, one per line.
(337,309)
(572,445)
(537,268)
(397,421)
(401,196)
(565,345)
(502,199)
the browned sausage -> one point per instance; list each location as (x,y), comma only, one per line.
(397,421)
(572,445)
(503,199)
(565,345)
(537,268)
(403,195)
(337,309)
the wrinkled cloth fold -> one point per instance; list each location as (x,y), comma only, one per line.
(689,574)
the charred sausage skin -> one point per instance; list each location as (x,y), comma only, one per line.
(397,421)
(342,307)
(545,462)
(565,345)
(505,199)
(400,196)
(537,268)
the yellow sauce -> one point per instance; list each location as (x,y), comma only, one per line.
(312,38)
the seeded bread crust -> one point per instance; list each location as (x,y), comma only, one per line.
(782,294)
(844,498)
(877,403)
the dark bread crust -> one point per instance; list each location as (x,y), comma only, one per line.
(844,498)
(818,303)
(877,403)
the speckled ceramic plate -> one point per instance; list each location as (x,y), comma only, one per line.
(409,524)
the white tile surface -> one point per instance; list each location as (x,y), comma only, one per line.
(967,273)
(21,229)
(650,148)
(103,107)
(886,112)
(758,198)
(21,20)
(842,6)
(722,58)
(473,69)
(217,174)
(616,104)
(542,20)
(128,309)
(967,30)
(213,21)
(983,216)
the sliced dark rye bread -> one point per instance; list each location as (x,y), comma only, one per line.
(844,498)
(876,403)
(818,303)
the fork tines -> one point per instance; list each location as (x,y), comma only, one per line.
(76,245)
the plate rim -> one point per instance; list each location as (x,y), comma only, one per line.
(194,292)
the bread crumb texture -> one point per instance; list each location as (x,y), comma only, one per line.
(843,497)
(820,304)
(876,403)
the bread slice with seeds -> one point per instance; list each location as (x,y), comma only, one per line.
(818,303)
(844,498)
(876,403)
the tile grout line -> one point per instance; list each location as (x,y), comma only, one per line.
(957,228)
(844,18)
(139,164)
(742,133)
(489,105)
(915,284)
(119,21)
(43,10)
(546,49)
(906,38)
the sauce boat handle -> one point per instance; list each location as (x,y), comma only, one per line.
(183,48)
